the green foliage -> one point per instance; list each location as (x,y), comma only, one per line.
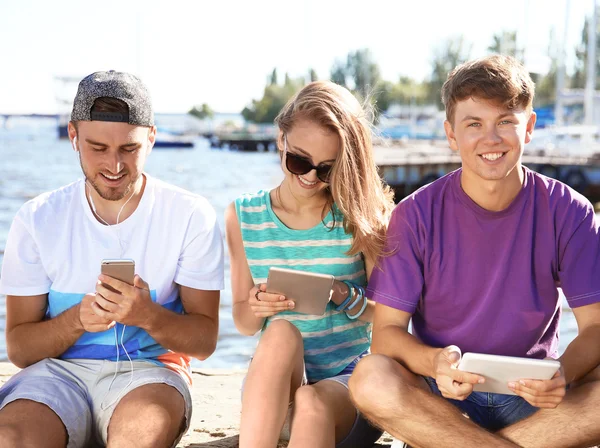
(579,77)
(445,58)
(363,71)
(361,74)
(506,43)
(405,91)
(545,84)
(275,96)
(338,73)
(202,112)
(273,79)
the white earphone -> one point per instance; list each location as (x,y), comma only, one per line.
(74,144)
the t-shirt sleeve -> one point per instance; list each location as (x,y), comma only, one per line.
(23,273)
(579,258)
(397,281)
(200,264)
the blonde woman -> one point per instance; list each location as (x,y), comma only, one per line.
(328,215)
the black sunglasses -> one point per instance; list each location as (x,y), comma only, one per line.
(299,165)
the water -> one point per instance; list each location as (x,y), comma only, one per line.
(34,161)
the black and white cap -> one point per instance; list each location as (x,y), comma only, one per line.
(118,85)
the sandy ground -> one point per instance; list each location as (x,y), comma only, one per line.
(217,406)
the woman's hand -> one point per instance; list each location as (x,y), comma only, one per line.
(264,304)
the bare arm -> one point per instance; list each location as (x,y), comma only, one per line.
(29,338)
(583,353)
(392,339)
(390,324)
(340,292)
(241,278)
(194,333)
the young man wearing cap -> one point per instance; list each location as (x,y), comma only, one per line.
(102,358)
(475,260)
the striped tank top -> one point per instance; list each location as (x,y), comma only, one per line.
(331,341)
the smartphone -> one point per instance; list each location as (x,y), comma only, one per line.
(310,291)
(123,270)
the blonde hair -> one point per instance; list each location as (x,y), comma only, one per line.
(355,185)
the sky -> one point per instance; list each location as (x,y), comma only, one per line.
(221,52)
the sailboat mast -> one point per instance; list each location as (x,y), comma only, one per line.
(590,84)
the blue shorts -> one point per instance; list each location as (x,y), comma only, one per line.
(490,411)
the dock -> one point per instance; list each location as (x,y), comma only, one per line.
(407,168)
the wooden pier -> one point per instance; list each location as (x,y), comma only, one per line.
(407,168)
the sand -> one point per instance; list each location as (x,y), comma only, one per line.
(217,406)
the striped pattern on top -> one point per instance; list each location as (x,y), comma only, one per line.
(331,341)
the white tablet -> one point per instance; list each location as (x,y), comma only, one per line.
(310,291)
(500,370)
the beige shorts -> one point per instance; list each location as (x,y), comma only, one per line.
(80,392)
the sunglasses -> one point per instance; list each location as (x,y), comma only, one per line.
(299,165)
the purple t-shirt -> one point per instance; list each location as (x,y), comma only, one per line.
(487,281)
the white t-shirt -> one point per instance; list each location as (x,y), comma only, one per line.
(55,246)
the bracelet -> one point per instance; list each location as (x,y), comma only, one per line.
(359,296)
(362,310)
(342,305)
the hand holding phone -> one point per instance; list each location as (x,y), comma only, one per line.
(132,305)
(123,270)
(91,322)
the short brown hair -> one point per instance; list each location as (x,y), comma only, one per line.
(107,104)
(498,78)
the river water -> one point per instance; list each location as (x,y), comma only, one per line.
(35,161)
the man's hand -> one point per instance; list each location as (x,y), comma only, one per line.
(451,382)
(542,393)
(90,321)
(130,305)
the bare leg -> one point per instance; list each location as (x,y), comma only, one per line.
(274,374)
(323,415)
(402,404)
(28,424)
(152,415)
(574,423)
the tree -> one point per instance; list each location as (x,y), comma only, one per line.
(545,85)
(273,80)
(578,80)
(202,112)
(312,75)
(338,73)
(363,71)
(506,43)
(274,98)
(445,58)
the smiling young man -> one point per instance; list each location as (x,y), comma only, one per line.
(102,358)
(475,261)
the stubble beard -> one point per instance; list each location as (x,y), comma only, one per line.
(111,194)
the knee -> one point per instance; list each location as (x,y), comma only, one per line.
(376,384)
(281,334)
(12,436)
(153,426)
(308,402)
